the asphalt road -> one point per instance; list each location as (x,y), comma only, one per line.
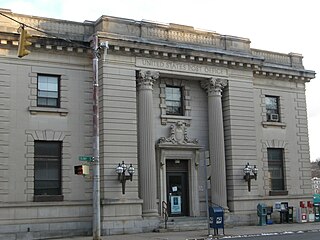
(285,236)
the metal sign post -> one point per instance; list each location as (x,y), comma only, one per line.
(206,156)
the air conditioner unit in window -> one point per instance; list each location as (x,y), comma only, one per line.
(274,117)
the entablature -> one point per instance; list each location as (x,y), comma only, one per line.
(258,66)
(184,54)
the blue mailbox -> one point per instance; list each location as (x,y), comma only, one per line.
(216,215)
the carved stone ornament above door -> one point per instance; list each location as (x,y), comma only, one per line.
(178,135)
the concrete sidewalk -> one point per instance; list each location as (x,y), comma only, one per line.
(203,234)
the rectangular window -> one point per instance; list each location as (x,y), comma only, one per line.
(275,166)
(174,101)
(48,91)
(47,168)
(272,107)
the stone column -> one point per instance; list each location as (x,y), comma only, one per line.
(146,153)
(214,87)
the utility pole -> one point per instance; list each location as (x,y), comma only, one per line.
(96,223)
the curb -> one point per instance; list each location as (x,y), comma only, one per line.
(210,237)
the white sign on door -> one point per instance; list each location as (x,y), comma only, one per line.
(175,204)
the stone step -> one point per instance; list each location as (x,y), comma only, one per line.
(184,224)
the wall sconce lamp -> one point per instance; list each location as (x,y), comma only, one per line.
(248,176)
(122,177)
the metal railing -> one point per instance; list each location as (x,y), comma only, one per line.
(165,213)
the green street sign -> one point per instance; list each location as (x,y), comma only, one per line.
(85,158)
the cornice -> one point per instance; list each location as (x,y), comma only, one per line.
(155,40)
(53,34)
(302,76)
(47,44)
(74,31)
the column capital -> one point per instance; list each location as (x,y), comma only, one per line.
(214,85)
(146,78)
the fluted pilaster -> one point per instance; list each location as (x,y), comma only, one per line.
(147,162)
(214,88)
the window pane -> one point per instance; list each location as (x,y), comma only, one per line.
(277,184)
(176,110)
(169,94)
(52,94)
(275,167)
(41,101)
(176,104)
(47,94)
(47,188)
(51,102)
(39,170)
(47,168)
(46,148)
(174,100)
(275,171)
(275,155)
(169,109)
(272,108)
(53,170)
(272,103)
(53,85)
(176,96)
(42,94)
(42,85)
(48,87)
(169,104)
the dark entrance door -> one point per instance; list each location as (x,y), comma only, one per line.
(177,187)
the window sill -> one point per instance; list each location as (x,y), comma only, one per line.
(274,124)
(47,198)
(278,193)
(174,118)
(36,110)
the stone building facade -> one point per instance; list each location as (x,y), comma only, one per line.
(172,100)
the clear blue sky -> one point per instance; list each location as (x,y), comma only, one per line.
(274,25)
